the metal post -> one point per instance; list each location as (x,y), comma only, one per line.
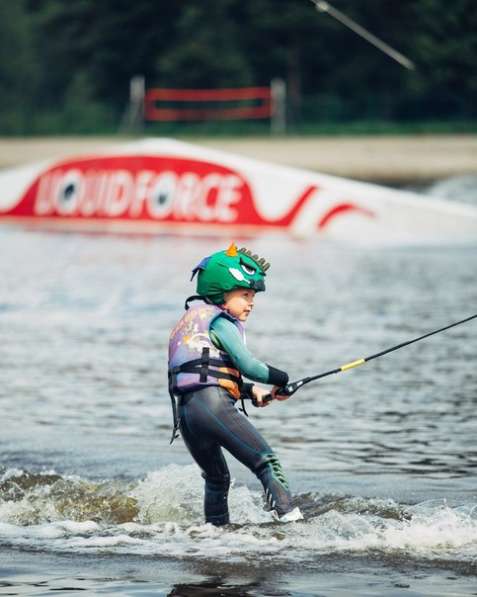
(132,120)
(279,101)
(137,92)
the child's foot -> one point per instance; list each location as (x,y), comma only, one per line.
(291,516)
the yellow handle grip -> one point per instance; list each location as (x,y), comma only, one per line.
(356,363)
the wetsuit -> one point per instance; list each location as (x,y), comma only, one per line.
(210,421)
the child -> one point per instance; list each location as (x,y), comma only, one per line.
(207,357)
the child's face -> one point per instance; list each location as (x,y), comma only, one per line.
(239,303)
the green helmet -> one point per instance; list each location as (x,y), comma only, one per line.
(226,270)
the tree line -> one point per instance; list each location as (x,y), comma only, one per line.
(66,66)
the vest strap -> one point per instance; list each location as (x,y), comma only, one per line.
(229,376)
(194,367)
(204,364)
(175,415)
(196,297)
(194,362)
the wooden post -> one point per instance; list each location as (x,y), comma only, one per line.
(279,101)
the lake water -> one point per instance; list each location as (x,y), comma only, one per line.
(382,459)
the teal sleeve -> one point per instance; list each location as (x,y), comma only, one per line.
(226,336)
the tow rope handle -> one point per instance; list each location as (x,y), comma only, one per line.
(287,390)
(292,387)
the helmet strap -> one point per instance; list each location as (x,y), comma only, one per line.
(196,297)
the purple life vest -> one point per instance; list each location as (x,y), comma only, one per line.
(194,360)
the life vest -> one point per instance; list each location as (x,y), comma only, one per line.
(194,360)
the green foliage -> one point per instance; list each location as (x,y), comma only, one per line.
(66,66)
(207,52)
(18,68)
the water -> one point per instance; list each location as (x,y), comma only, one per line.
(458,188)
(382,458)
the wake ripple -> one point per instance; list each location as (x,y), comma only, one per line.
(161,515)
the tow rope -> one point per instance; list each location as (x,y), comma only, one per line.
(292,387)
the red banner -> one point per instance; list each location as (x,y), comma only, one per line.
(262,94)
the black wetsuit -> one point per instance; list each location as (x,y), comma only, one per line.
(210,421)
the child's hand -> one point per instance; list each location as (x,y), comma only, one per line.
(258,395)
(276,395)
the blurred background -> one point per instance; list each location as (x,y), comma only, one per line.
(65,67)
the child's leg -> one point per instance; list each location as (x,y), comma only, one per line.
(208,455)
(248,446)
(212,417)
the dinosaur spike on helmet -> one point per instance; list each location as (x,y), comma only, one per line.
(232,250)
(260,261)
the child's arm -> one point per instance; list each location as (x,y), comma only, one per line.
(226,336)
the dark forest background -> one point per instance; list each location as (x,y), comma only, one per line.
(65,66)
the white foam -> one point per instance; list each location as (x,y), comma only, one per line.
(8,530)
(444,532)
(92,543)
(169,522)
(11,473)
(79,528)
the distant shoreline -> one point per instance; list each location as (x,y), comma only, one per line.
(395,160)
